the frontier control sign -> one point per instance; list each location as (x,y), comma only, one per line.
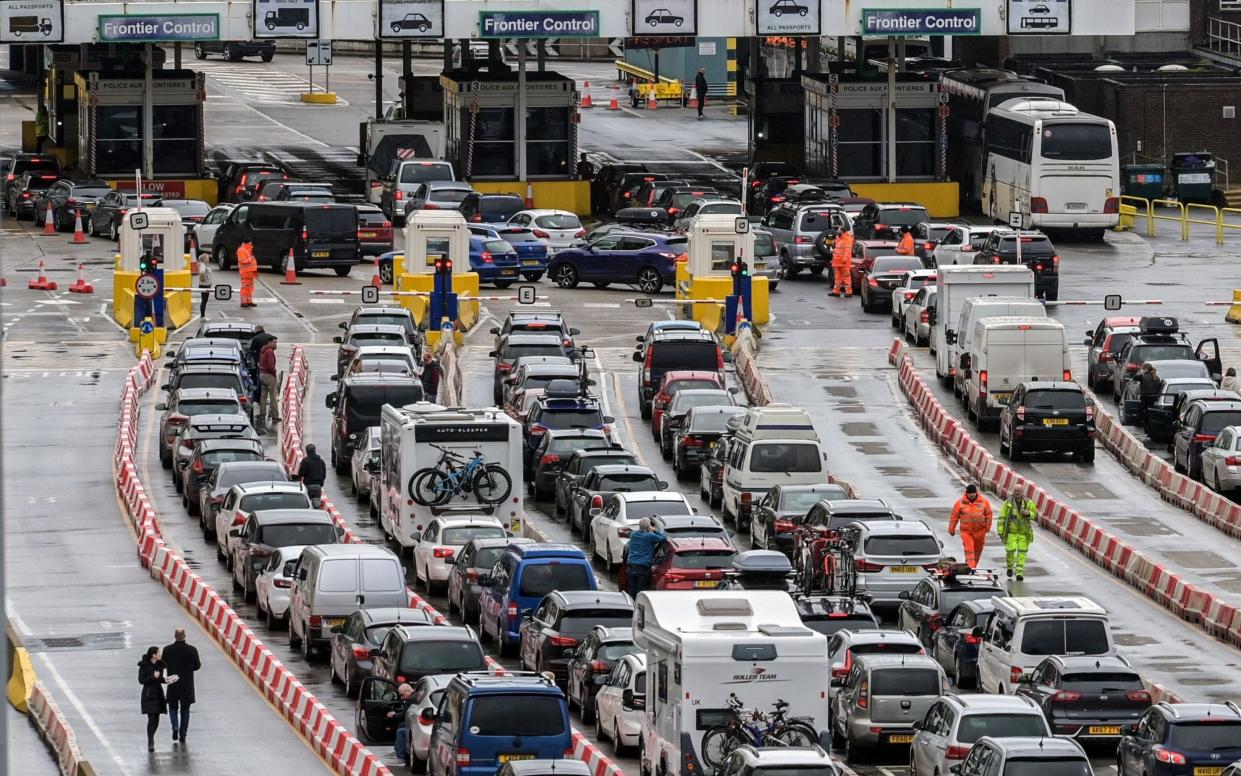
(136,28)
(538,24)
(921,21)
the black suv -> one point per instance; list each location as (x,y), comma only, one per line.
(580,464)
(1048,416)
(1037,253)
(550,634)
(675,349)
(319,235)
(410,652)
(1200,422)
(924,608)
(886,220)
(356,405)
(1180,738)
(483,208)
(24,163)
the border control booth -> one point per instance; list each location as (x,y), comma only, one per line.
(432,235)
(704,278)
(164,239)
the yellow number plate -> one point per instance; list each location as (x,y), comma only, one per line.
(530,263)
(366,234)
(1104,730)
(508,758)
(1208,771)
(706,583)
(1055,421)
(321,254)
(332,622)
(904,569)
(1001,398)
(901,739)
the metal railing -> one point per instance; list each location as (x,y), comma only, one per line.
(1221,170)
(1224,36)
(1184,214)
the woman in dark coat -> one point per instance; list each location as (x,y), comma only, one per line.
(152,675)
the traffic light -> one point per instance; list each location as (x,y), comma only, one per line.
(739,270)
(443,266)
(148,263)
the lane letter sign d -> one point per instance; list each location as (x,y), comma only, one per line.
(370,294)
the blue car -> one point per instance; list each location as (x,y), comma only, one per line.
(955,646)
(532,252)
(495,261)
(1181,739)
(519,580)
(645,259)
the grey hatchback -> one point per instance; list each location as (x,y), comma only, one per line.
(795,226)
(881,699)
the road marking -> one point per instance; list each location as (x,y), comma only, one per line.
(602,305)
(326,301)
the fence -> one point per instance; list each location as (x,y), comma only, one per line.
(1184,214)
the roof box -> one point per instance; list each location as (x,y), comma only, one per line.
(1159,324)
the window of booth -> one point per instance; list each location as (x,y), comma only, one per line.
(495,149)
(547,141)
(118,139)
(861,143)
(915,142)
(175,132)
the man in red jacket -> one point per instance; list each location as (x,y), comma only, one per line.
(268,409)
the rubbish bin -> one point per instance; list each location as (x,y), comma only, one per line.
(1193,175)
(1143,180)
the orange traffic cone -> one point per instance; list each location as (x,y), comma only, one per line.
(586,101)
(49,226)
(650,98)
(41,283)
(377,279)
(615,102)
(80,286)
(290,271)
(529,194)
(79,235)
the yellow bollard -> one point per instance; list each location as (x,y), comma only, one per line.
(21,682)
(148,338)
(1234,312)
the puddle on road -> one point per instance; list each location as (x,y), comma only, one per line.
(1140,526)
(1200,559)
(1132,639)
(915,491)
(872,448)
(892,471)
(859,429)
(843,391)
(1084,490)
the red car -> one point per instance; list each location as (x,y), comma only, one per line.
(673,382)
(864,253)
(689,563)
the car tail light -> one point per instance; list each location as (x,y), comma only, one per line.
(503,367)
(1038,267)
(541,234)
(784,526)
(596,502)
(487,258)
(581,233)
(463,756)
(776,199)
(909,295)
(1038,205)
(512,611)
(623,532)
(646,367)
(305,236)
(866,567)
(10,177)
(239,518)
(628,194)
(924,317)
(863,694)
(1055,262)
(926,246)
(1089,412)
(360,652)
(719,359)
(424,719)
(971,639)
(386,225)
(802,239)
(283,584)
(1066,696)
(1232,460)
(315,621)
(398,195)
(1111,205)
(443,552)
(1138,696)
(548,459)
(936,622)
(956,752)
(691,442)
(1105,357)
(477,218)
(243,400)
(537,428)
(1131,367)
(1168,756)
(1204,438)
(753,184)
(429,206)
(25,195)
(1014,674)
(671,578)
(562,641)
(881,228)
(872,282)
(1021,413)
(599,667)
(672,211)
(198,466)
(177,420)
(982,383)
(746,498)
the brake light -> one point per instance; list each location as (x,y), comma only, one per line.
(926,246)
(443,552)
(936,622)
(863,696)
(537,428)
(581,233)
(239,518)
(360,652)
(463,756)
(1138,696)
(430,206)
(1055,262)
(672,211)
(1168,756)
(283,584)
(1014,674)
(1131,367)
(398,195)
(924,316)
(746,498)
(386,225)
(503,367)
(909,295)
(1232,460)
(540,233)
(872,282)
(1021,413)
(1066,696)
(881,228)
(866,567)
(971,639)
(1089,412)
(198,466)
(177,420)
(10,177)
(982,383)
(719,359)
(599,667)
(1038,205)
(672,578)
(646,367)
(25,195)
(1204,438)
(425,720)
(315,621)
(305,235)
(550,458)
(956,752)
(596,501)
(784,526)
(562,641)
(1111,205)
(512,611)
(486,257)
(802,239)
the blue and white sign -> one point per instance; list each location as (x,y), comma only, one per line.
(146,327)
(538,24)
(161,28)
(1040,17)
(286,18)
(921,21)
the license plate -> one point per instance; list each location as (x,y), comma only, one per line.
(706,583)
(901,738)
(530,263)
(508,758)
(1114,730)
(508,273)
(904,569)
(1055,421)
(320,254)
(1208,771)
(1075,205)
(334,621)
(1001,398)
(367,234)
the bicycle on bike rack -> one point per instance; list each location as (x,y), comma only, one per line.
(453,475)
(756,728)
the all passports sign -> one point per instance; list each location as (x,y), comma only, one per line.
(32,21)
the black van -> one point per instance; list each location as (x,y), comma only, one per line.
(356,405)
(320,235)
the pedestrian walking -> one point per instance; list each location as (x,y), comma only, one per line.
(204,288)
(152,676)
(642,544)
(700,89)
(1230,381)
(181,660)
(312,472)
(431,374)
(842,263)
(268,410)
(248,269)
(1016,527)
(972,513)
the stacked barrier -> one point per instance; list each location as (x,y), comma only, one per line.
(55,731)
(1182,598)
(329,738)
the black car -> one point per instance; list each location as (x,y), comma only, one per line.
(762,171)
(518,345)
(360,633)
(955,645)
(1199,424)
(922,609)
(604,182)
(23,163)
(697,434)
(674,349)
(539,322)
(236,50)
(1087,697)
(110,210)
(485,208)
(649,192)
(885,274)
(1175,377)
(215,467)
(579,465)
(1164,410)
(559,408)
(621,194)
(473,561)
(550,634)
(1174,739)
(319,235)
(70,198)
(408,653)
(553,453)
(886,220)
(26,193)
(773,521)
(1056,417)
(589,496)
(356,405)
(591,663)
(673,199)
(243,181)
(684,402)
(711,474)
(1037,253)
(828,614)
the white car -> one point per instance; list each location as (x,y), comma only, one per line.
(388,359)
(273,585)
(955,722)
(204,231)
(244,500)
(428,693)
(367,450)
(905,292)
(960,244)
(844,644)
(614,718)
(610,529)
(917,316)
(1221,462)
(699,207)
(441,539)
(560,229)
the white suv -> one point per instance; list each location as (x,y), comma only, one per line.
(955,722)
(435,548)
(1023,632)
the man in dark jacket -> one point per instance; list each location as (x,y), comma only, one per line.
(268,410)
(181,660)
(313,473)
(642,544)
(431,373)
(700,89)
(260,338)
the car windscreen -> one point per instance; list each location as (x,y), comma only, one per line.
(1117,342)
(363,339)
(836,522)
(1140,354)
(1171,391)
(365,401)
(517,235)
(510,716)
(291,534)
(615,650)
(384,366)
(539,579)
(210,381)
(1103,683)
(217,457)
(566,446)
(682,403)
(500,208)
(903,216)
(696,530)
(50,164)
(331,219)
(424,171)
(975,726)
(1209,736)
(803,500)
(589,464)
(764,245)
(815,220)
(558,221)
(578,622)
(1076,142)
(692,354)
(458,536)
(681,385)
(902,545)
(710,422)
(516,351)
(1055,400)
(785,457)
(887,264)
(949,599)
(833,625)
(726,208)
(1215,422)
(1045,766)
(571,418)
(486,557)
(541,381)
(636,510)
(904,681)
(239,476)
(498,247)
(625,483)
(451,196)
(209,407)
(374,635)
(1065,637)
(40,183)
(441,657)
(384,320)
(886,648)
(703,559)
(257,501)
(190,208)
(1194,369)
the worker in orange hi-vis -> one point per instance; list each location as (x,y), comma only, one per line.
(842,263)
(906,246)
(248,268)
(973,513)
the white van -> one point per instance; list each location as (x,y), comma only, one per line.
(702,648)
(1007,351)
(985,307)
(772,445)
(332,581)
(1024,631)
(955,285)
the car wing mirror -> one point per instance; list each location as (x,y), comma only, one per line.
(161,407)
(342,325)
(337,340)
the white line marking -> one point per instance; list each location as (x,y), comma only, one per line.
(602,305)
(326,301)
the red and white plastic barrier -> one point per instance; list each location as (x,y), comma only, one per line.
(328,737)
(55,730)
(1189,602)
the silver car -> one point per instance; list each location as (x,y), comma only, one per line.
(437,195)
(917,315)
(560,229)
(426,698)
(889,557)
(882,698)
(955,722)
(906,290)
(273,584)
(365,457)
(1221,462)
(404,179)
(795,227)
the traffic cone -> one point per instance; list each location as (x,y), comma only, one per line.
(376,279)
(49,226)
(529,194)
(586,101)
(615,102)
(41,283)
(79,235)
(650,98)
(290,271)
(80,286)
(740,313)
